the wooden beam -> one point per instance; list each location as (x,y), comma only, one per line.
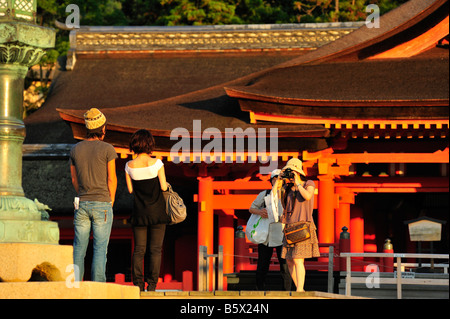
(396,184)
(241,185)
(350,123)
(417,44)
(440,156)
(233,201)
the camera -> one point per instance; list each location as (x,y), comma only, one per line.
(288,174)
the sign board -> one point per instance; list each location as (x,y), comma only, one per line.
(409,275)
(425,230)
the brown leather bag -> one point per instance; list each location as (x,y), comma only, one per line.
(297,232)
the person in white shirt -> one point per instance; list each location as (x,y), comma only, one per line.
(146,180)
(274,240)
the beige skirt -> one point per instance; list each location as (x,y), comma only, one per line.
(305,249)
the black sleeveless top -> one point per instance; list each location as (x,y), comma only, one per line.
(149,206)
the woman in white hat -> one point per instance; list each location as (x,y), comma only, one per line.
(297,197)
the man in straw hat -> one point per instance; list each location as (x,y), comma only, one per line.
(93,171)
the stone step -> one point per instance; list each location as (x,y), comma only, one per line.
(246,280)
(62,290)
(245,294)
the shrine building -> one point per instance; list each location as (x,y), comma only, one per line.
(365,109)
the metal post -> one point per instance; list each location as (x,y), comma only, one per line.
(399,277)
(330,269)
(348,279)
(207,271)
(213,271)
(344,246)
(202,268)
(432,260)
(220,269)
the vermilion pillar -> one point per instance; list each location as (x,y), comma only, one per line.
(326,210)
(356,235)
(342,216)
(356,230)
(226,240)
(205,232)
(205,213)
(325,205)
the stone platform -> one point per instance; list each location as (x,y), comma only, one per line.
(244,294)
(17,261)
(62,290)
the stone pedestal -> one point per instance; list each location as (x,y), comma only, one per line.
(17,261)
(22,44)
(59,290)
(32,231)
(29,249)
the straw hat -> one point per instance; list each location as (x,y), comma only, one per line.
(94,119)
(296,165)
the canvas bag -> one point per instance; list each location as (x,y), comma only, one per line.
(257,229)
(175,208)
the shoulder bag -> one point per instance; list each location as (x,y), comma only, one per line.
(175,208)
(296,232)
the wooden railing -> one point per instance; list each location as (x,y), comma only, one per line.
(207,272)
(398,280)
(321,264)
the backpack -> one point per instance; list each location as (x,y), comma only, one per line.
(175,208)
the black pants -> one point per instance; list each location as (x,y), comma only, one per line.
(264,256)
(147,239)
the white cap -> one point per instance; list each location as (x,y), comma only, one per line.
(275,172)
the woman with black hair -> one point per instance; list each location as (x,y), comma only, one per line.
(146,179)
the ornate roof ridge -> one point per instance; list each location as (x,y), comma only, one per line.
(211,38)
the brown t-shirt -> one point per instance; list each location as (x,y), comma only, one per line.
(90,159)
(297,208)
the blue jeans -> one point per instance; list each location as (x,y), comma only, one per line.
(99,215)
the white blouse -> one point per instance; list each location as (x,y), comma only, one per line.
(141,173)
